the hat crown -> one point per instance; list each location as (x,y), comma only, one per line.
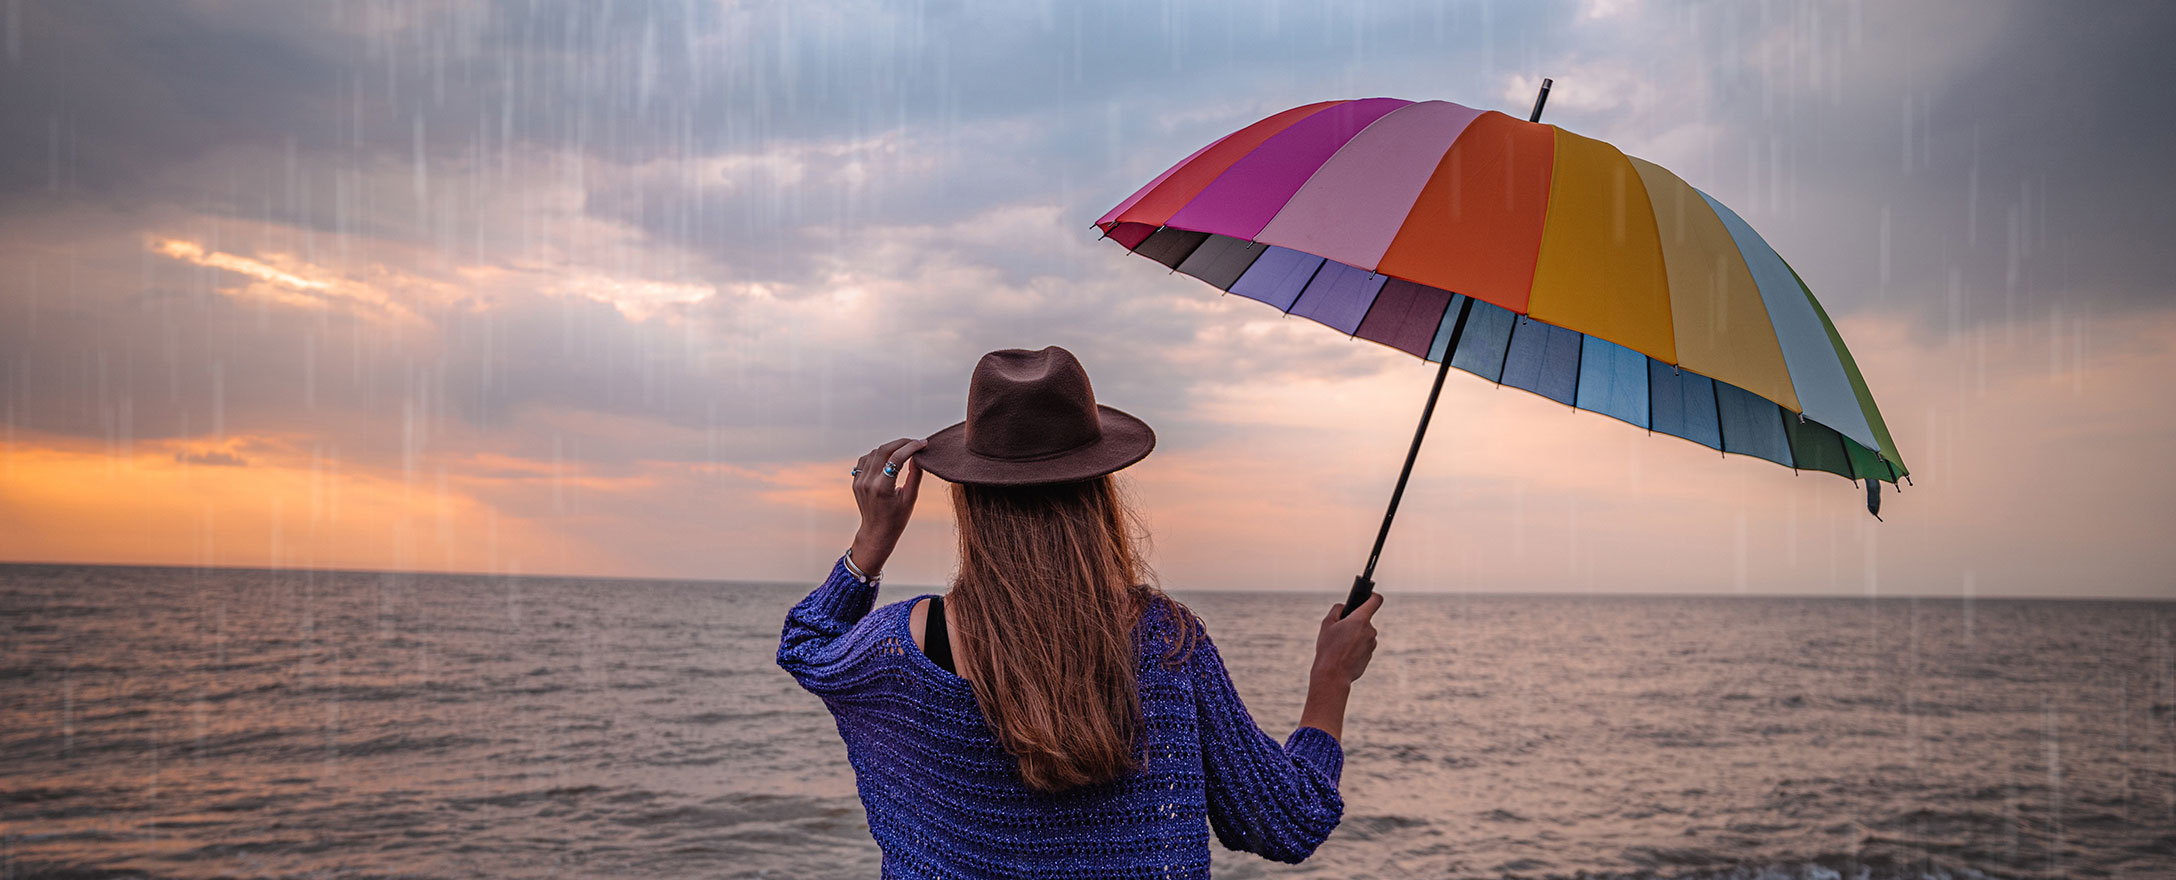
(1025,405)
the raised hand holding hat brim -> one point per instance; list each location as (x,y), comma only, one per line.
(1032,417)
(886,483)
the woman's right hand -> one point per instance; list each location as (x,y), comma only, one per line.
(886,500)
(1344,646)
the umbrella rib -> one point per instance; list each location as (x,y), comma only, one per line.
(1716,397)
(1310,283)
(1783,417)
(1364,313)
(1648,365)
(1504,360)
(1579,361)
(1851,468)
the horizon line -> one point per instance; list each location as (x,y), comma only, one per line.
(812,584)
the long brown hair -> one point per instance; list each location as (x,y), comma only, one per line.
(1052,581)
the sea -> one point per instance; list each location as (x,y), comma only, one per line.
(200,723)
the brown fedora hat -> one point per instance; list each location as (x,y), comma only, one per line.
(1032,418)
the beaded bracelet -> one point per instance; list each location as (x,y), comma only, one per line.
(855,570)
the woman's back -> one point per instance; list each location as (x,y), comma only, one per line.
(1094,734)
(944,797)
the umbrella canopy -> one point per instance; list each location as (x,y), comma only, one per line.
(1528,255)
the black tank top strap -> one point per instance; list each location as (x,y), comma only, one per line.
(935,641)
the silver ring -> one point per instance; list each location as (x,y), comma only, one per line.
(891,468)
(856,472)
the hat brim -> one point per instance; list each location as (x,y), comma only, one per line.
(1125,440)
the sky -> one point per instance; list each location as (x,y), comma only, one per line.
(625,289)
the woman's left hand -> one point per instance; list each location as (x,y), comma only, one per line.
(886,500)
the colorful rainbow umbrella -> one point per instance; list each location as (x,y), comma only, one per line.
(1527,255)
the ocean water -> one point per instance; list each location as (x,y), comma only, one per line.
(217,723)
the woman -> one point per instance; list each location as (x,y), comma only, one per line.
(1053,715)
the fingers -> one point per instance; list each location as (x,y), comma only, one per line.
(903,454)
(886,451)
(895,455)
(882,454)
(1367,608)
(871,464)
(910,487)
(862,480)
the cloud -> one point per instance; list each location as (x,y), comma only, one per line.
(214,458)
(744,139)
(309,289)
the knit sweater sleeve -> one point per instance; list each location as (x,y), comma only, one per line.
(816,647)
(1277,802)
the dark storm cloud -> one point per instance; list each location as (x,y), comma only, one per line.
(2013,178)
(977,106)
(115,100)
(100,96)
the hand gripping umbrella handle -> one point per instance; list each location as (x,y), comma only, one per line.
(1362,588)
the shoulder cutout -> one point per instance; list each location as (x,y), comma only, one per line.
(924,626)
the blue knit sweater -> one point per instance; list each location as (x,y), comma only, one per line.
(945,800)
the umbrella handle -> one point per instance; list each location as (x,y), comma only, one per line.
(1362,588)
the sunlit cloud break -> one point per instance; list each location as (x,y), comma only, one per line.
(636,299)
(285,286)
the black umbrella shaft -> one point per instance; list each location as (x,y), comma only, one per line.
(1365,583)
